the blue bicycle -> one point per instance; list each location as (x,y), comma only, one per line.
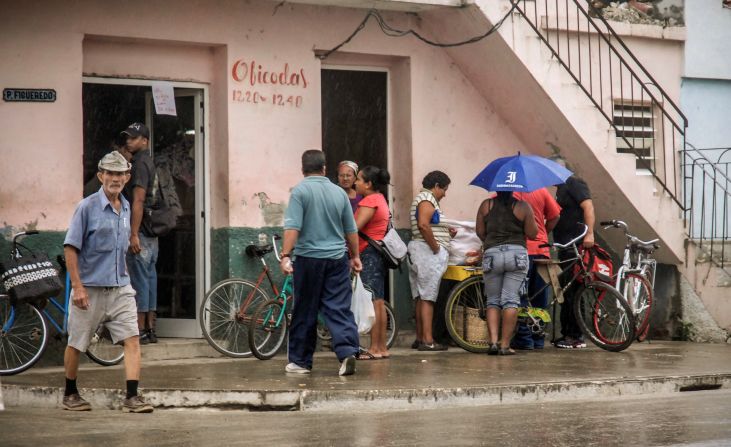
(24,328)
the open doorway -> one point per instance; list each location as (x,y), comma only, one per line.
(354,118)
(176,143)
(355,122)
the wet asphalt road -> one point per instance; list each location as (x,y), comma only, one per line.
(700,418)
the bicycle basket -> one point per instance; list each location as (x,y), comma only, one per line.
(470,326)
(31,277)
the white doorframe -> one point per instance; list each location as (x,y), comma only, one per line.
(188,327)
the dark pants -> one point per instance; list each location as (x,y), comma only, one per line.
(569,326)
(321,285)
(537,289)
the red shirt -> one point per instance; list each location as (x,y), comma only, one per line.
(544,208)
(376,227)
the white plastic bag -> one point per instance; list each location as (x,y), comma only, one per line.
(464,243)
(362,306)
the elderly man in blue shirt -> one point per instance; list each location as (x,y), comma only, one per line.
(318,222)
(95,249)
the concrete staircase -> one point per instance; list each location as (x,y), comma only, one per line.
(526,83)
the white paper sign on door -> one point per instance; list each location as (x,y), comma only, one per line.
(164,97)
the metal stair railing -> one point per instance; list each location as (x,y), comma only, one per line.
(615,81)
(706,191)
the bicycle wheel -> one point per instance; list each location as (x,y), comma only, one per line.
(323,333)
(102,350)
(268,329)
(391,327)
(225,314)
(466,316)
(23,337)
(604,316)
(638,293)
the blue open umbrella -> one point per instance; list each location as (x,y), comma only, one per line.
(522,173)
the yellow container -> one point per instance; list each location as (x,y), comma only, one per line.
(461,272)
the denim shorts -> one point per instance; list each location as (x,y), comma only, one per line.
(143,273)
(374,272)
(504,269)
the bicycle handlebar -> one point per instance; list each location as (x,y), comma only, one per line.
(633,239)
(573,241)
(275,238)
(24,233)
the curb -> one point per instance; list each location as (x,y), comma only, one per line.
(316,400)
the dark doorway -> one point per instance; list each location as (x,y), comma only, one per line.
(354,118)
(109,109)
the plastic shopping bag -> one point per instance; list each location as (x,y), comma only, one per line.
(362,306)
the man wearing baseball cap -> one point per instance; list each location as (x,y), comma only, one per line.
(143,248)
(95,248)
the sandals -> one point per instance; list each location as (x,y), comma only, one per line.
(506,351)
(497,350)
(365,355)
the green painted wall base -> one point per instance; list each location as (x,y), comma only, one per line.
(229,259)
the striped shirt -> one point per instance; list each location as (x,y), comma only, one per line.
(440,230)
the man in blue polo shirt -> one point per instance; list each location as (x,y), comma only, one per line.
(317,223)
(95,249)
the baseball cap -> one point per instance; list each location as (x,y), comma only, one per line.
(137,129)
(114,162)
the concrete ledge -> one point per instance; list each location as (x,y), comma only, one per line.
(111,399)
(320,400)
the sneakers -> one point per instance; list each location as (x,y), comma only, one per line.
(136,404)
(416,344)
(144,337)
(75,402)
(347,368)
(152,335)
(296,369)
(433,347)
(570,343)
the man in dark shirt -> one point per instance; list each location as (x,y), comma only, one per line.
(143,248)
(577,209)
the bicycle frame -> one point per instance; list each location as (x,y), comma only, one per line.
(287,286)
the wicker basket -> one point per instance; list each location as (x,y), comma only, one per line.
(470,326)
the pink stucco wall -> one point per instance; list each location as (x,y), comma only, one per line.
(253,147)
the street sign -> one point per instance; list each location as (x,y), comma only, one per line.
(29,95)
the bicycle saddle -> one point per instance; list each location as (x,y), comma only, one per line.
(259,251)
(646,248)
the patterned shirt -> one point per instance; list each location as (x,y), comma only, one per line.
(440,230)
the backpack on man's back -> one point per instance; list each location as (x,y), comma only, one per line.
(162,207)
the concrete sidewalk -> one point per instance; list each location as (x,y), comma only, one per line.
(410,379)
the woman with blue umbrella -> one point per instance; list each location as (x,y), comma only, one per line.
(503,223)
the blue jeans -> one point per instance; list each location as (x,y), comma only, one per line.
(524,338)
(143,275)
(504,268)
(321,285)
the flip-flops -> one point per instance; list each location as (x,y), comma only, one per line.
(365,355)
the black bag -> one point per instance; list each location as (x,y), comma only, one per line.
(390,260)
(161,218)
(30,278)
(160,221)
